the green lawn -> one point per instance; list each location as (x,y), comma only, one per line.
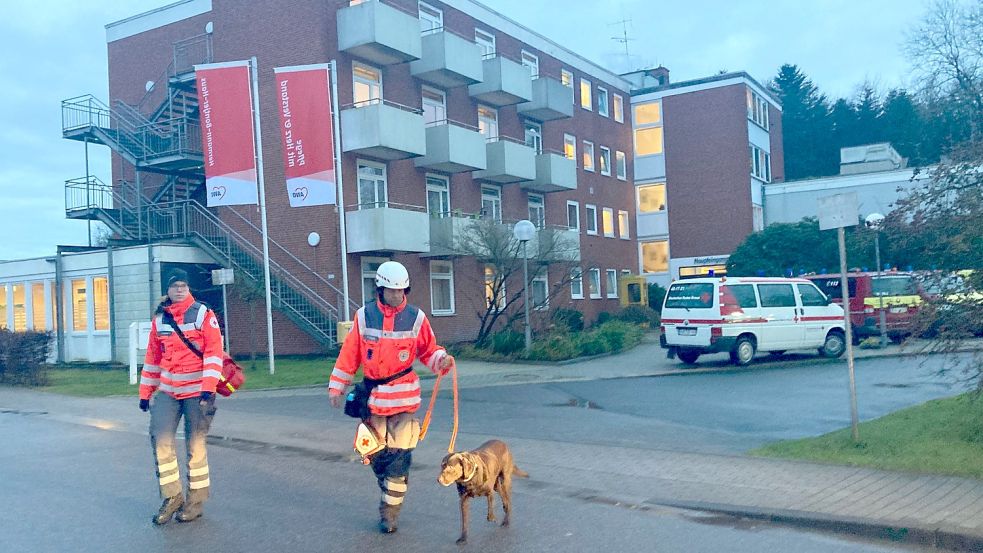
(943,436)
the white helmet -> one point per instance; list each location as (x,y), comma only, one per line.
(392,274)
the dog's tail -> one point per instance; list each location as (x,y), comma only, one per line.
(519,472)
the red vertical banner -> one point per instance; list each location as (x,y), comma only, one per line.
(306,134)
(227,133)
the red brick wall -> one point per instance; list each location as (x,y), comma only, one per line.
(777,152)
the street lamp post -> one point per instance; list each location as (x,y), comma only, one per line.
(873,221)
(524,231)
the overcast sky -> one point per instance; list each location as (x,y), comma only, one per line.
(56,49)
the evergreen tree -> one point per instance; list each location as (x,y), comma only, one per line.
(868,111)
(902,125)
(805,124)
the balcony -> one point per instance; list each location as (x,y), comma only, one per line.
(557,244)
(504,83)
(550,100)
(453,148)
(387,228)
(460,234)
(379,33)
(448,61)
(449,233)
(383,129)
(508,161)
(554,173)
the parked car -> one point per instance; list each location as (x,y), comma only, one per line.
(954,304)
(898,294)
(743,315)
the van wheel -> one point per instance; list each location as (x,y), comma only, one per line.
(688,356)
(743,352)
(834,346)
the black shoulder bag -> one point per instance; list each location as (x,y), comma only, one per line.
(169,319)
(357,402)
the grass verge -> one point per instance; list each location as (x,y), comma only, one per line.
(943,436)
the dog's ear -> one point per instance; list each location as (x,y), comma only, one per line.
(467,464)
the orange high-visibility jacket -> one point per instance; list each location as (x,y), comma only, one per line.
(385,340)
(170,365)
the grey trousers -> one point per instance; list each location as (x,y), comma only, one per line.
(165,414)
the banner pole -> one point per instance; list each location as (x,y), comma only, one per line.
(335,115)
(258,141)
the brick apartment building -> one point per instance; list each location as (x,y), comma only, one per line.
(704,149)
(450,111)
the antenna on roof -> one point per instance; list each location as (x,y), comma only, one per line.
(624,39)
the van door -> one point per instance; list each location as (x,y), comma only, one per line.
(814,315)
(779,309)
(687,313)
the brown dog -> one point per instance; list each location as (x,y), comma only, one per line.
(478,472)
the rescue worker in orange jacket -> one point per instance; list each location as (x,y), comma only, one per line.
(386,337)
(186,381)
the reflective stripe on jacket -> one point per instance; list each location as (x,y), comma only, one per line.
(383,341)
(170,365)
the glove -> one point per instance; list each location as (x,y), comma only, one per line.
(144,405)
(205,397)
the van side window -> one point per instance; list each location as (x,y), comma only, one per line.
(744,294)
(811,296)
(690,296)
(776,295)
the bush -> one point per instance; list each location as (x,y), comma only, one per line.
(570,320)
(556,347)
(507,342)
(602,318)
(656,295)
(23,356)
(639,315)
(592,343)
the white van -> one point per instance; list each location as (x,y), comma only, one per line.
(743,315)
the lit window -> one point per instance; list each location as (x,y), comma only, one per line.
(100,302)
(441,288)
(655,256)
(588,156)
(539,290)
(602,102)
(3,306)
(607,222)
(621,165)
(570,146)
(576,284)
(38,306)
(573,215)
(619,108)
(591,219)
(623,232)
(367,84)
(586,101)
(612,283)
(594,283)
(605,161)
(652,198)
(20,308)
(648,114)
(488,122)
(494,288)
(80,309)
(648,141)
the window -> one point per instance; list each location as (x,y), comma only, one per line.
(648,114)
(602,101)
(576,284)
(539,290)
(573,215)
(605,161)
(371,185)
(612,283)
(811,296)
(38,306)
(689,295)
(54,310)
(619,108)
(486,42)
(586,101)
(757,218)
(537,210)
(566,78)
(434,106)
(620,165)
(441,288)
(80,306)
(367,84)
(588,156)
(438,197)
(20,308)
(100,302)
(760,163)
(648,142)
(744,293)
(431,19)
(3,306)
(623,225)
(757,109)
(655,256)
(492,280)
(531,61)
(594,283)
(607,222)
(369,266)
(534,136)
(570,146)
(776,295)
(491,203)
(488,122)
(652,198)
(591,219)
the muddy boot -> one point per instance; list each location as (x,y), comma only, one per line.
(189,512)
(167,509)
(388,515)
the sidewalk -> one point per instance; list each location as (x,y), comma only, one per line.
(940,511)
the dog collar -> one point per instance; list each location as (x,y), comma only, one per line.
(474,472)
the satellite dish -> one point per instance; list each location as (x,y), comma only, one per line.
(209,27)
(149,86)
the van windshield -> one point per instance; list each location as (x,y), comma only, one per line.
(690,296)
(894,286)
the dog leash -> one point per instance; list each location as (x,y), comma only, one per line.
(433,400)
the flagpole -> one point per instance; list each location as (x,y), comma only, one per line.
(335,115)
(258,141)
